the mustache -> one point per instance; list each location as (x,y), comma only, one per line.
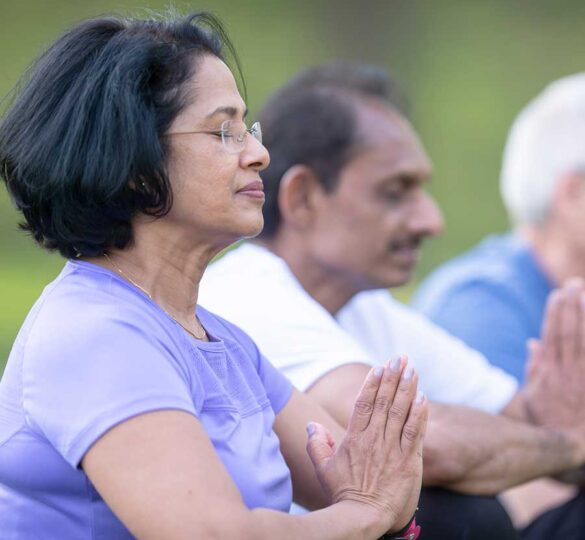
(412,241)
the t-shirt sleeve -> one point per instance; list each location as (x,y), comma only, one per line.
(278,387)
(450,371)
(308,344)
(486,318)
(291,329)
(81,382)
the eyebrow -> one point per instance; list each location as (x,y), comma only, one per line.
(230,111)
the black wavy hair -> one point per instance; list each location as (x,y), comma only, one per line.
(82,149)
(312,121)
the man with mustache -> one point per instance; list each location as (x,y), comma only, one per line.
(346,209)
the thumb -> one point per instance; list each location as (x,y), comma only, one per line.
(320,445)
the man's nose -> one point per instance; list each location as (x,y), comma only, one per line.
(427,218)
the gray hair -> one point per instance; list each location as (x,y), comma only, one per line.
(546,142)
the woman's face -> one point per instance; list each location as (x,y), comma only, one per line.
(217,194)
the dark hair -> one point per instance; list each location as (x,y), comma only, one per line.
(312,121)
(82,148)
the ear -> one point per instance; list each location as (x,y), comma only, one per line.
(568,195)
(298,196)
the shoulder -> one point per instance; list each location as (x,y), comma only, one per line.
(246,271)
(256,289)
(87,310)
(495,267)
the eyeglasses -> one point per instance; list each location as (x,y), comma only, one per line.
(232,133)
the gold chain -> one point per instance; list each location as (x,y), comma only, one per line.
(128,278)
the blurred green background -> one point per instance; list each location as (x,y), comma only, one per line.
(467,67)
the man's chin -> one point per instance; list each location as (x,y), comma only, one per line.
(394,280)
(399,278)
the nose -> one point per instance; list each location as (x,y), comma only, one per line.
(427,218)
(254,155)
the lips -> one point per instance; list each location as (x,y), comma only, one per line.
(406,251)
(410,243)
(253,189)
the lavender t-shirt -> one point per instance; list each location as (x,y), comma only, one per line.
(93,352)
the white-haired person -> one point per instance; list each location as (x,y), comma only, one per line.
(503,283)
(509,277)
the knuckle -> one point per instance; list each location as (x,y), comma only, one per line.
(382,404)
(410,433)
(363,406)
(396,412)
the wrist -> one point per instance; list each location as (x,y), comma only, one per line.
(411,531)
(570,444)
(374,521)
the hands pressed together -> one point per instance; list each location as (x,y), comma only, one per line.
(554,393)
(379,462)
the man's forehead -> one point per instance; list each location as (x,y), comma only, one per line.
(377,119)
(385,137)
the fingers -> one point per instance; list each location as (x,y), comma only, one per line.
(320,445)
(362,410)
(385,400)
(403,400)
(416,425)
(385,397)
(535,357)
(581,350)
(570,321)
(550,326)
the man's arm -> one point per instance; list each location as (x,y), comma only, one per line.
(465,449)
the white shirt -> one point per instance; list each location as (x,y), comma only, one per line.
(255,289)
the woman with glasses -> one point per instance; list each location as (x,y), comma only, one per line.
(127,410)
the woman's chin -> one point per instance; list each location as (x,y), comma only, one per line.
(249,229)
(254,231)
(252,227)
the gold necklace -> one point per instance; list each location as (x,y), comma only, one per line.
(128,278)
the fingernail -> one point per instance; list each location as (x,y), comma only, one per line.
(395,364)
(310,428)
(420,397)
(378,371)
(407,374)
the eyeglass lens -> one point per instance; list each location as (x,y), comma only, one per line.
(233,134)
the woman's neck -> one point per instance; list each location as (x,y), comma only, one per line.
(168,269)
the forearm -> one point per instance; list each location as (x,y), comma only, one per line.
(344,520)
(478,453)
